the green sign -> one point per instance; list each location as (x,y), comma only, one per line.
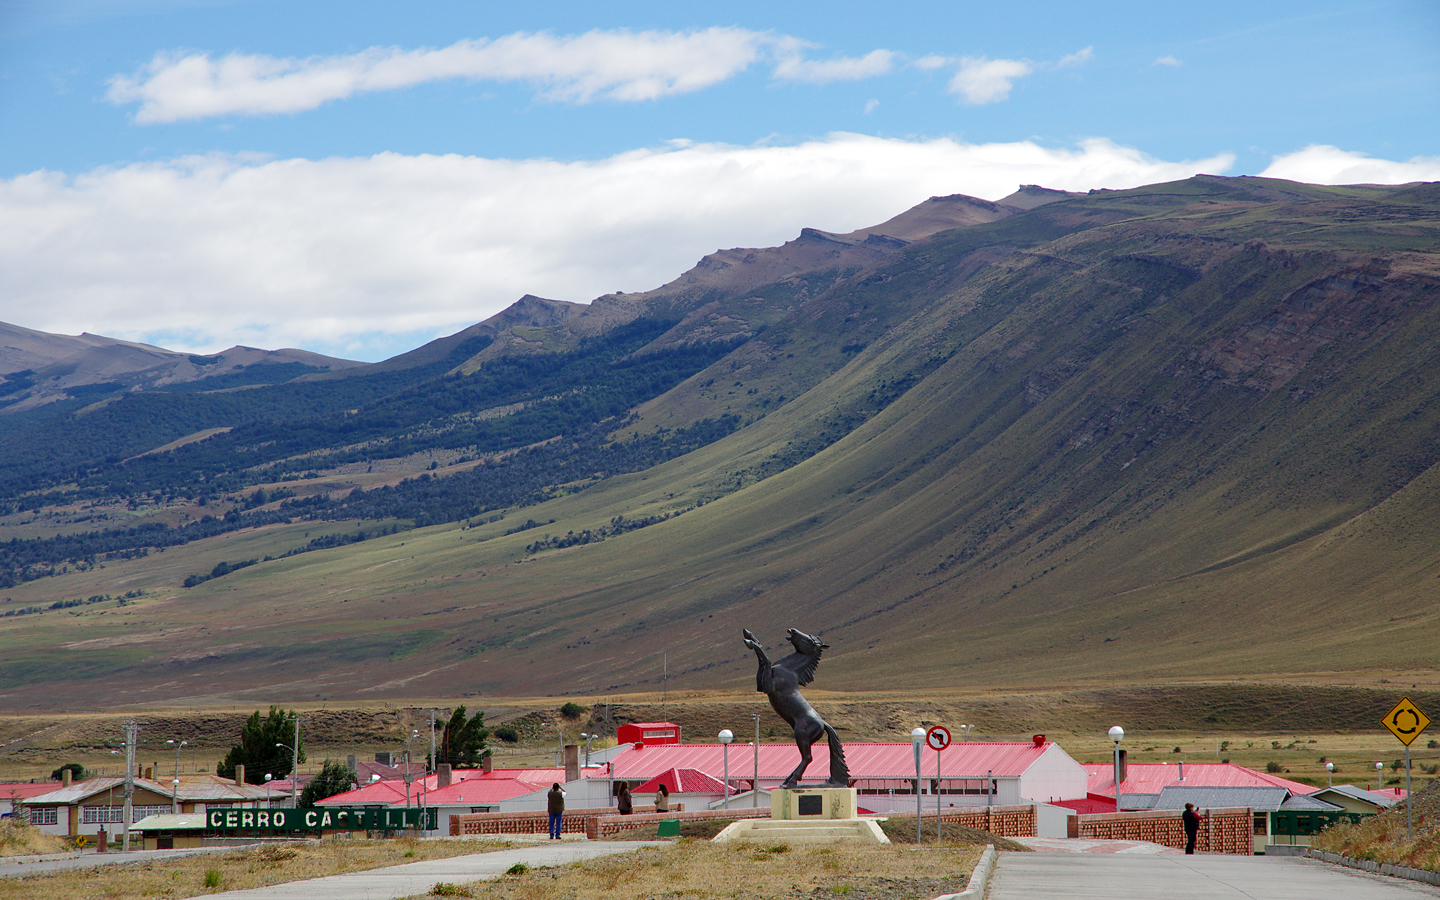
(329,818)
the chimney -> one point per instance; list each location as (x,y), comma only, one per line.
(383,758)
(1182,770)
(487,765)
(572,762)
(65,776)
(240,775)
(350,763)
(1124,765)
(150,772)
(1039,740)
(442,776)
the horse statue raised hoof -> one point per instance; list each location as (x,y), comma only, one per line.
(781,681)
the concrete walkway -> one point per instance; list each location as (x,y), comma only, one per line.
(418,878)
(1106,876)
(20,866)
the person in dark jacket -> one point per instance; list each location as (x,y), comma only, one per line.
(624,802)
(555,803)
(1191,819)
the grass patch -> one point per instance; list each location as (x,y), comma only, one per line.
(901,830)
(1385,839)
(17,839)
(699,870)
(250,867)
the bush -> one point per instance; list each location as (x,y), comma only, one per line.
(212,878)
(77,771)
(1273,767)
(445,889)
(507,734)
(572,710)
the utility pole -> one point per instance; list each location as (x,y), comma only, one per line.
(132,733)
(432,741)
(295,766)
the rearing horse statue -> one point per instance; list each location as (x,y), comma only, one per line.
(782,682)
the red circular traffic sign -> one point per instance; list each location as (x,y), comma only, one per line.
(938,737)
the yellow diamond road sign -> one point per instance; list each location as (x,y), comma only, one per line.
(1406,722)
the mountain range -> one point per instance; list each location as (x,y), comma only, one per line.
(1182,432)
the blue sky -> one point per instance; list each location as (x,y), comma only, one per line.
(356,178)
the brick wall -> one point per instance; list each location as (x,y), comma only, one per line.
(1221,830)
(604,826)
(582,821)
(1002,821)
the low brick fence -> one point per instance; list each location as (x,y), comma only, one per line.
(604,826)
(1221,830)
(514,823)
(1001,821)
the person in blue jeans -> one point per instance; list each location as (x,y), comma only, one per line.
(555,803)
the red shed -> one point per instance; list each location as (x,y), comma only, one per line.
(648,733)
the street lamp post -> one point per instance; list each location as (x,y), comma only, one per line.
(755,785)
(588,738)
(294,776)
(965,731)
(1330,773)
(268,776)
(1379,773)
(726,736)
(1117,734)
(917,737)
(175,798)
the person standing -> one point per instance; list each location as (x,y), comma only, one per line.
(555,803)
(1191,819)
(624,802)
(662,798)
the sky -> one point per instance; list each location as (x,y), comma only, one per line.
(358,178)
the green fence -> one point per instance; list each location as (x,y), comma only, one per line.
(333,818)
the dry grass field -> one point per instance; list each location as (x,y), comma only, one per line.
(699,870)
(192,876)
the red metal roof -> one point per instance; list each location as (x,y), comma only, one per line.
(379,793)
(477,791)
(1092,803)
(21,790)
(867,761)
(1149,778)
(683,781)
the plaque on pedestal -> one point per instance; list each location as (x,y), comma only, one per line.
(813,803)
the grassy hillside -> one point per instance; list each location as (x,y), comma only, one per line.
(1185,432)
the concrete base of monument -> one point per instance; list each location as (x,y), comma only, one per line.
(808,815)
(812,831)
(810,803)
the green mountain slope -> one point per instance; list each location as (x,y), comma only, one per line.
(1187,431)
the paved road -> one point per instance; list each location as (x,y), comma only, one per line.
(1107,876)
(418,878)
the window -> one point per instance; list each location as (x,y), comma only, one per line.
(664,733)
(101,815)
(45,815)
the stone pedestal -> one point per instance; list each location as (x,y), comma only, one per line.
(812,803)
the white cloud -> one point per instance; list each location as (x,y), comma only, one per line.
(932,61)
(871,105)
(206,252)
(1078,58)
(1323,164)
(614,65)
(608,65)
(844,68)
(1167,61)
(981,80)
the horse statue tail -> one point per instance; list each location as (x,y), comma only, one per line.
(839,769)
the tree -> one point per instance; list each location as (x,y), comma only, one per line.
(462,744)
(334,778)
(77,771)
(257,750)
